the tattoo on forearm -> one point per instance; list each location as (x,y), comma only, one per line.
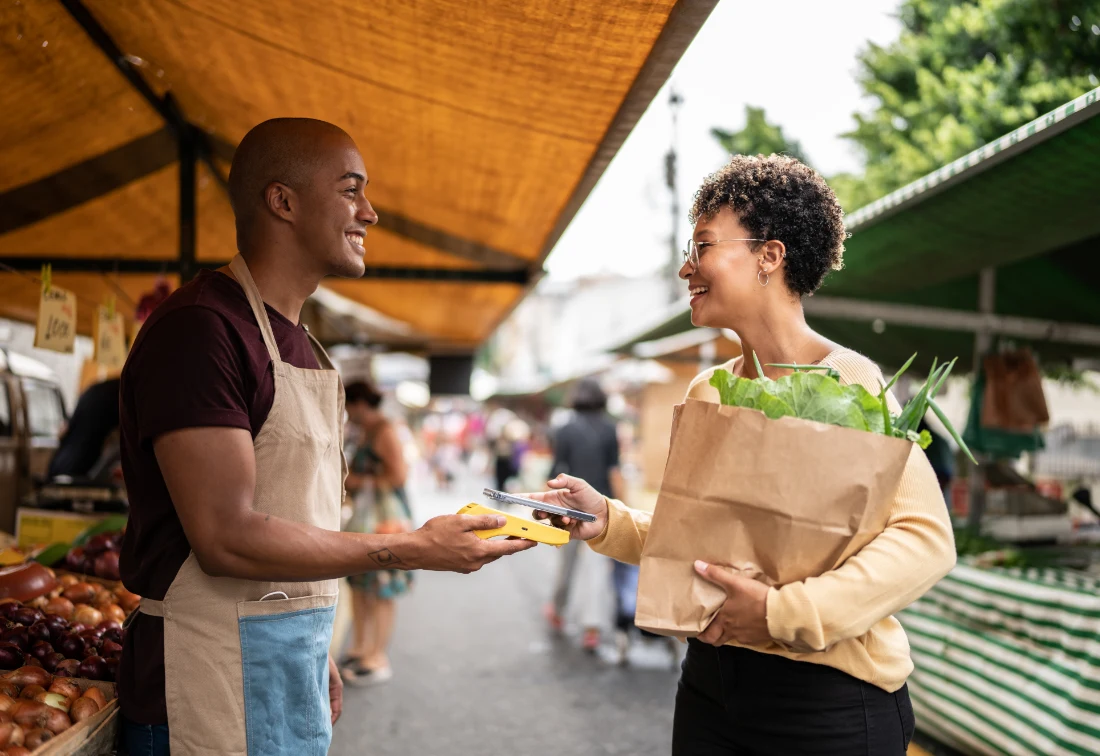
(384,558)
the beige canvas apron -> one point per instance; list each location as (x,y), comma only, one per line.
(246,662)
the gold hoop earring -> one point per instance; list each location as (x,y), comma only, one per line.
(767,277)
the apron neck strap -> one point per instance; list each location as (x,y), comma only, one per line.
(244,278)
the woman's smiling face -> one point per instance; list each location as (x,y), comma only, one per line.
(725,284)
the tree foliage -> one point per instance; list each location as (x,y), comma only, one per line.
(963,73)
(960,74)
(758,137)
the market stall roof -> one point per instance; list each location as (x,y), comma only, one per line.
(1023,208)
(484,127)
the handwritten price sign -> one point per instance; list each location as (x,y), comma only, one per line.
(110,339)
(56,329)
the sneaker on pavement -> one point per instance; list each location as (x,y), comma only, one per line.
(361,677)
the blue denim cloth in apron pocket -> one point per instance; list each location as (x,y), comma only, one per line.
(284,654)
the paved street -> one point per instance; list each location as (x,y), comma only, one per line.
(477,673)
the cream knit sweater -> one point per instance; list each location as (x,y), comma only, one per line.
(844,617)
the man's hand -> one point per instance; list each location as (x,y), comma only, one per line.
(448,544)
(573,493)
(335,690)
(744,615)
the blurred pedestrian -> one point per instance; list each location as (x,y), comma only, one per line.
(586,447)
(376,480)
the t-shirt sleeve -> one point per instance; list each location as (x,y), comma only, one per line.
(190,374)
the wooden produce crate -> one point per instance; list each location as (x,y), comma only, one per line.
(95,735)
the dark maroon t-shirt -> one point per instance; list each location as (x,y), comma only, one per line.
(199,361)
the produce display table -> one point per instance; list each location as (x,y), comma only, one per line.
(1008,661)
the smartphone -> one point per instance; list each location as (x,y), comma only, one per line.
(508,498)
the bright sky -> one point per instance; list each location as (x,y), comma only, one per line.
(794,58)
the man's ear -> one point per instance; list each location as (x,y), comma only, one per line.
(281,200)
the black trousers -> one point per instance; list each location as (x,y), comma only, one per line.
(736,702)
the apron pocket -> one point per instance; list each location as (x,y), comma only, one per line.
(284,656)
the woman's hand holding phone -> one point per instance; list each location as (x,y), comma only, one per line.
(573,493)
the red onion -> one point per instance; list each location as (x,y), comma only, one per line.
(112,668)
(11,656)
(25,615)
(74,560)
(113,635)
(72,646)
(41,650)
(39,631)
(58,626)
(106,565)
(17,635)
(50,662)
(111,650)
(94,668)
(98,544)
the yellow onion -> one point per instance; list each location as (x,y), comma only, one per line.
(35,738)
(11,735)
(83,708)
(87,615)
(29,676)
(31,692)
(66,687)
(80,593)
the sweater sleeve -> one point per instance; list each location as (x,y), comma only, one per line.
(916,549)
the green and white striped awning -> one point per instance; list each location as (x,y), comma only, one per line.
(1008,661)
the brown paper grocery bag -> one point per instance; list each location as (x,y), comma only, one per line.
(781,500)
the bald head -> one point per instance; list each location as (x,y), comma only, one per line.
(298,189)
(285,150)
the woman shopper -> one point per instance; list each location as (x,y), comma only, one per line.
(376,480)
(767,230)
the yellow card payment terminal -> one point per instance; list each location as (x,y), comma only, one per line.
(518,527)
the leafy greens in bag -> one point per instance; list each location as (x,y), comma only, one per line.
(814,392)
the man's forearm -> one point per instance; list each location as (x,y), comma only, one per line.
(264,547)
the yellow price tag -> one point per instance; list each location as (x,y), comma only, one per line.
(56,329)
(110,338)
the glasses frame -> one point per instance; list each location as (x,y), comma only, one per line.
(691,254)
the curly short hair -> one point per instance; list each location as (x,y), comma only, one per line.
(778,197)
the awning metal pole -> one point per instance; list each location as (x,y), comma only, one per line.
(983,343)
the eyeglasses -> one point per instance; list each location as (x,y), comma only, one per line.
(691,254)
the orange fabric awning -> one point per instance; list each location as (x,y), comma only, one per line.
(483,125)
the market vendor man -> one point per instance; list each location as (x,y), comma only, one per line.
(231,425)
